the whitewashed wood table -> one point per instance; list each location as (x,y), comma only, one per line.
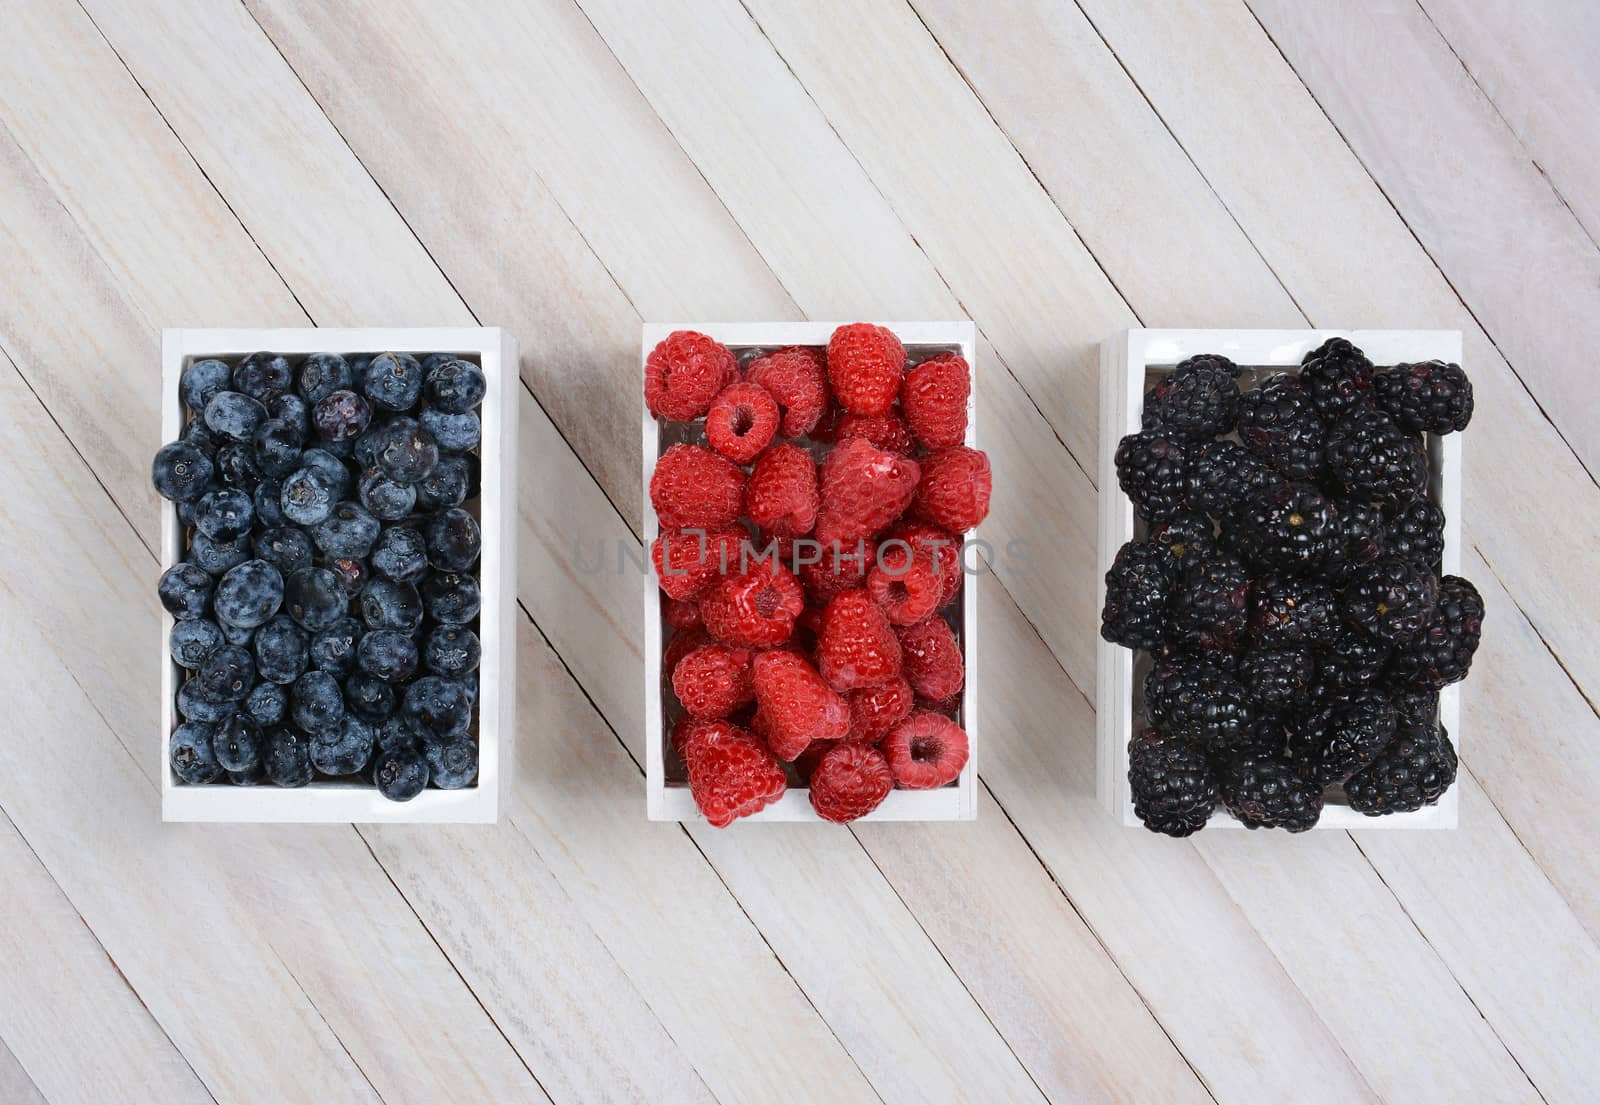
(571,168)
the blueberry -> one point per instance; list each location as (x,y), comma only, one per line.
(452,651)
(446,486)
(369,698)
(201,380)
(387,500)
(456,386)
(307,497)
(277,448)
(192,752)
(348,530)
(455,433)
(224,514)
(249,594)
(292,411)
(393,381)
(454,540)
(398,733)
(434,360)
(315,702)
(185,513)
(282,650)
(340,416)
(334,649)
(190,642)
(236,466)
(451,764)
(268,504)
(343,749)
(438,706)
(200,436)
(227,674)
(247,778)
(288,758)
(285,548)
(185,591)
(405,452)
(322,374)
(401,555)
(385,604)
(313,598)
(181,472)
(351,573)
(332,467)
(262,375)
(267,704)
(240,635)
(196,705)
(365,449)
(234,415)
(469,683)
(400,776)
(451,598)
(217,557)
(389,654)
(237,743)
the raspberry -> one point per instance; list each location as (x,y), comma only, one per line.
(686,562)
(795,706)
(837,569)
(932,658)
(876,710)
(742,421)
(865,366)
(714,680)
(782,496)
(850,781)
(887,431)
(755,608)
(934,400)
(682,730)
(954,489)
(856,647)
(943,546)
(796,377)
(681,645)
(905,584)
(863,489)
(683,374)
(925,751)
(680,613)
(692,486)
(731,773)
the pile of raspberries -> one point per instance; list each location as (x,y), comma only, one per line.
(809,551)
(1287,587)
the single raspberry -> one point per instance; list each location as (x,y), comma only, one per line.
(905,583)
(925,751)
(795,706)
(742,421)
(942,545)
(680,613)
(945,706)
(755,608)
(887,431)
(836,569)
(934,400)
(850,781)
(683,374)
(954,489)
(692,486)
(687,561)
(932,657)
(876,710)
(714,680)
(682,643)
(731,773)
(856,647)
(865,366)
(796,376)
(864,488)
(782,496)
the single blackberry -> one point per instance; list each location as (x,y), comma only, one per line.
(1151,471)
(1187,538)
(1342,734)
(1173,791)
(1224,474)
(1286,611)
(1430,397)
(1267,792)
(1277,678)
(1415,530)
(1390,599)
(1363,531)
(1443,652)
(1198,400)
(1338,377)
(1414,771)
(1210,605)
(1415,707)
(1135,613)
(1279,423)
(1198,698)
(1290,527)
(1350,658)
(1269,736)
(1369,456)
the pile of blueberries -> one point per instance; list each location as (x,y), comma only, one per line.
(327,599)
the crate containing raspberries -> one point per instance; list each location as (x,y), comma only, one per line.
(338,547)
(809,640)
(1283,629)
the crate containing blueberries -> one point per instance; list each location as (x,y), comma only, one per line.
(338,542)
(1283,629)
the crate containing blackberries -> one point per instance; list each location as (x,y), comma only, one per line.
(1283,626)
(338,562)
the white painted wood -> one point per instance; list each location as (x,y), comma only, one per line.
(15,1085)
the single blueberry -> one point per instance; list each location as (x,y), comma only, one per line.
(200,436)
(322,374)
(438,706)
(241,635)
(185,591)
(268,503)
(334,649)
(399,732)
(267,704)
(456,386)
(401,555)
(227,674)
(201,380)
(237,743)
(313,598)
(385,604)
(389,654)
(307,497)
(192,752)
(196,705)
(181,473)
(446,486)
(455,433)
(234,415)
(236,466)
(405,452)
(277,448)
(315,702)
(292,411)
(452,764)
(369,698)
(454,540)
(348,530)
(352,574)
(400,776)
(282,650)
(288,758)
(224,514)
(190,642)
(452,651)
(393,381)
(343,749)
(217,557)
(331,466)
(387,500)
(249,594)
(451,598)
(340,416)
(262,375)
(284,547)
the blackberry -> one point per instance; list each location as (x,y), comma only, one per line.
(1338,377)
(1286,612)
(1369,456)
(1269,736)
(1291,527)
(1173,790)
(1343,734)
(1265,791)
(1151,472)
(1277,678)
(1364,536)
(1224,474)
(1416,707)
(1390,599)
(1135,613)
(1443,652)
(1415,530)
(1200,699)
(1350,658)
(1430,397)
(1414,771)
(1187,538)
(1198,400)
(1209,607)
(1279,423)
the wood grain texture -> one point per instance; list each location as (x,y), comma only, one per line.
(14,1081)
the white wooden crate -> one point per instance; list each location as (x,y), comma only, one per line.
(670,800)
(325,801)
(1130,362)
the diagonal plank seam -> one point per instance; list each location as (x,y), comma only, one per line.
(1537,632)
(325,1022)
